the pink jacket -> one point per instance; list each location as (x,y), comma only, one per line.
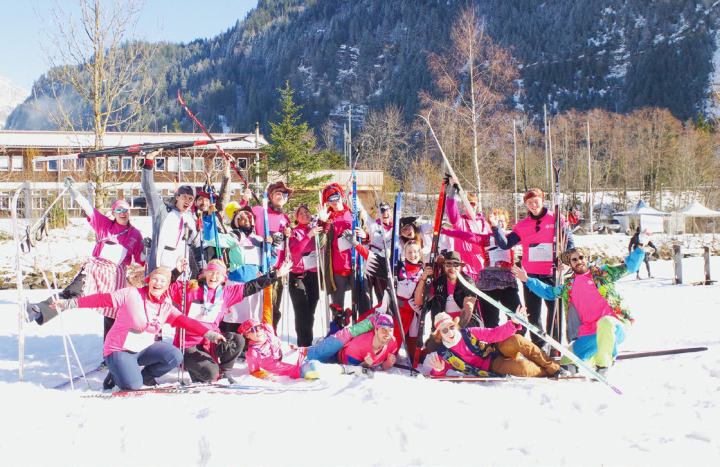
(277,221)
(341,221)
(272,357)
(471,253)
(107,229)
(300,246)
(137,314)
(229,296)
(488,335)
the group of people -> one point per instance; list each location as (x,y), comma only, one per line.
(216,269)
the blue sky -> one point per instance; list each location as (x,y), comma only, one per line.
(22,59)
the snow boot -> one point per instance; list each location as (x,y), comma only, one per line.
(109,382)
(32,312)
(602,371)
(567,370)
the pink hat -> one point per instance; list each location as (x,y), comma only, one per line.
(121,203)
(247,325)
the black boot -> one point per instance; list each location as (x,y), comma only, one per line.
(109,382)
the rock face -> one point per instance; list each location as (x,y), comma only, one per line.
(10,96)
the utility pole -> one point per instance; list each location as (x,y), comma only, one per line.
(590,193)
(515,203)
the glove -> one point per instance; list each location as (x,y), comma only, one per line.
(213,336)
(349,237)
(277,239)
(147,242)
(66,304)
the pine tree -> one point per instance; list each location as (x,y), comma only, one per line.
(291,152)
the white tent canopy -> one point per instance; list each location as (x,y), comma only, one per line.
(650,219)
(641,209)
(696,209)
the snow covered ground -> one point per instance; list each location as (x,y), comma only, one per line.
(668,414)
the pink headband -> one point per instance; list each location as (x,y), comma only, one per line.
(216,267)
(443,322)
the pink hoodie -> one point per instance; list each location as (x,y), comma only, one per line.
(471,253)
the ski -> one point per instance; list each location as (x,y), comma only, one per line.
(100,368)
(209,388)
(540,333)
(424,308)
(356,263)
(22,304)
(397,213)
(556,324)
(492,379)
(659,353)
(139,149)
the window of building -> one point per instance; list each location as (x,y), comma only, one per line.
(139,162)
(113,164)
(241,163)
(160,164)
(4,163)
(52,166)
(218,164)
(199,164)
(67,165)
(127,164)
(80,164)
(186,164)
(172,164)
(17,163)
(38,166)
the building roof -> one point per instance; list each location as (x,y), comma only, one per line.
(85,140)
(696,209)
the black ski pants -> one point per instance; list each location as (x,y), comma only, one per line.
(534,309)
(203,367)
(509,297)
(305,295)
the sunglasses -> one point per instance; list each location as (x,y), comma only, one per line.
(579,258)
(255,329)
(283,193)
(537,225)
(446,330)
(120,210)
(452,264)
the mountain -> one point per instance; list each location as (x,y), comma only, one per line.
(355,55)
(10,96)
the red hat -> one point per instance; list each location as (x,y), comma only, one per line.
(331,190)
(247,325)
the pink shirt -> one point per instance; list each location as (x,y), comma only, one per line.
(591,306)
(341,221)
(471,253)
(277,221)
(537,240)
(361,345)
(229,296)
(105,228)
(488,335)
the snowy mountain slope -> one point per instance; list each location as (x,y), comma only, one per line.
(10,96)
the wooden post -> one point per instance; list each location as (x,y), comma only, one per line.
(677,261)
(706,255)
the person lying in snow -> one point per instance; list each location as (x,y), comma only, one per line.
(267,357)
(477,351)
(132,354)
(595,314)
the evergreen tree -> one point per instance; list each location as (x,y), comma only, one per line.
(291,152)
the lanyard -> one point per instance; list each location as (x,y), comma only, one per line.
(209,308)
(156,319)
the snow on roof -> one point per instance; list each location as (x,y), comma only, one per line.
(696,209)
(641,209)
(62,139)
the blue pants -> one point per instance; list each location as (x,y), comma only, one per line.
(603,344)
(326,350)
(157,360)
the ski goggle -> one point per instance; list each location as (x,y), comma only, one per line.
(333,198)
(452,265)
(255,329)
(120,210)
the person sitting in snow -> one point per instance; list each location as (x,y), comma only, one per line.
(372,350)
(268,357)
(595,315)
(132,354)
(477,351)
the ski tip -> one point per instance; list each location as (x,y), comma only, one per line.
(617,391)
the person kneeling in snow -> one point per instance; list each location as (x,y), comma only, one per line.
(267,357)
(141,314)
(595,315)
(477,351)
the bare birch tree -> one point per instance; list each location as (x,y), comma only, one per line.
(475,76)
(95,55)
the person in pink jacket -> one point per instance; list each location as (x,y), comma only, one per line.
(480,351)
(303,281)
(208,299)
(472,253)
(133,355)
(336,218)
(268,357)
(377,349)
(118,243)
(536,234)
